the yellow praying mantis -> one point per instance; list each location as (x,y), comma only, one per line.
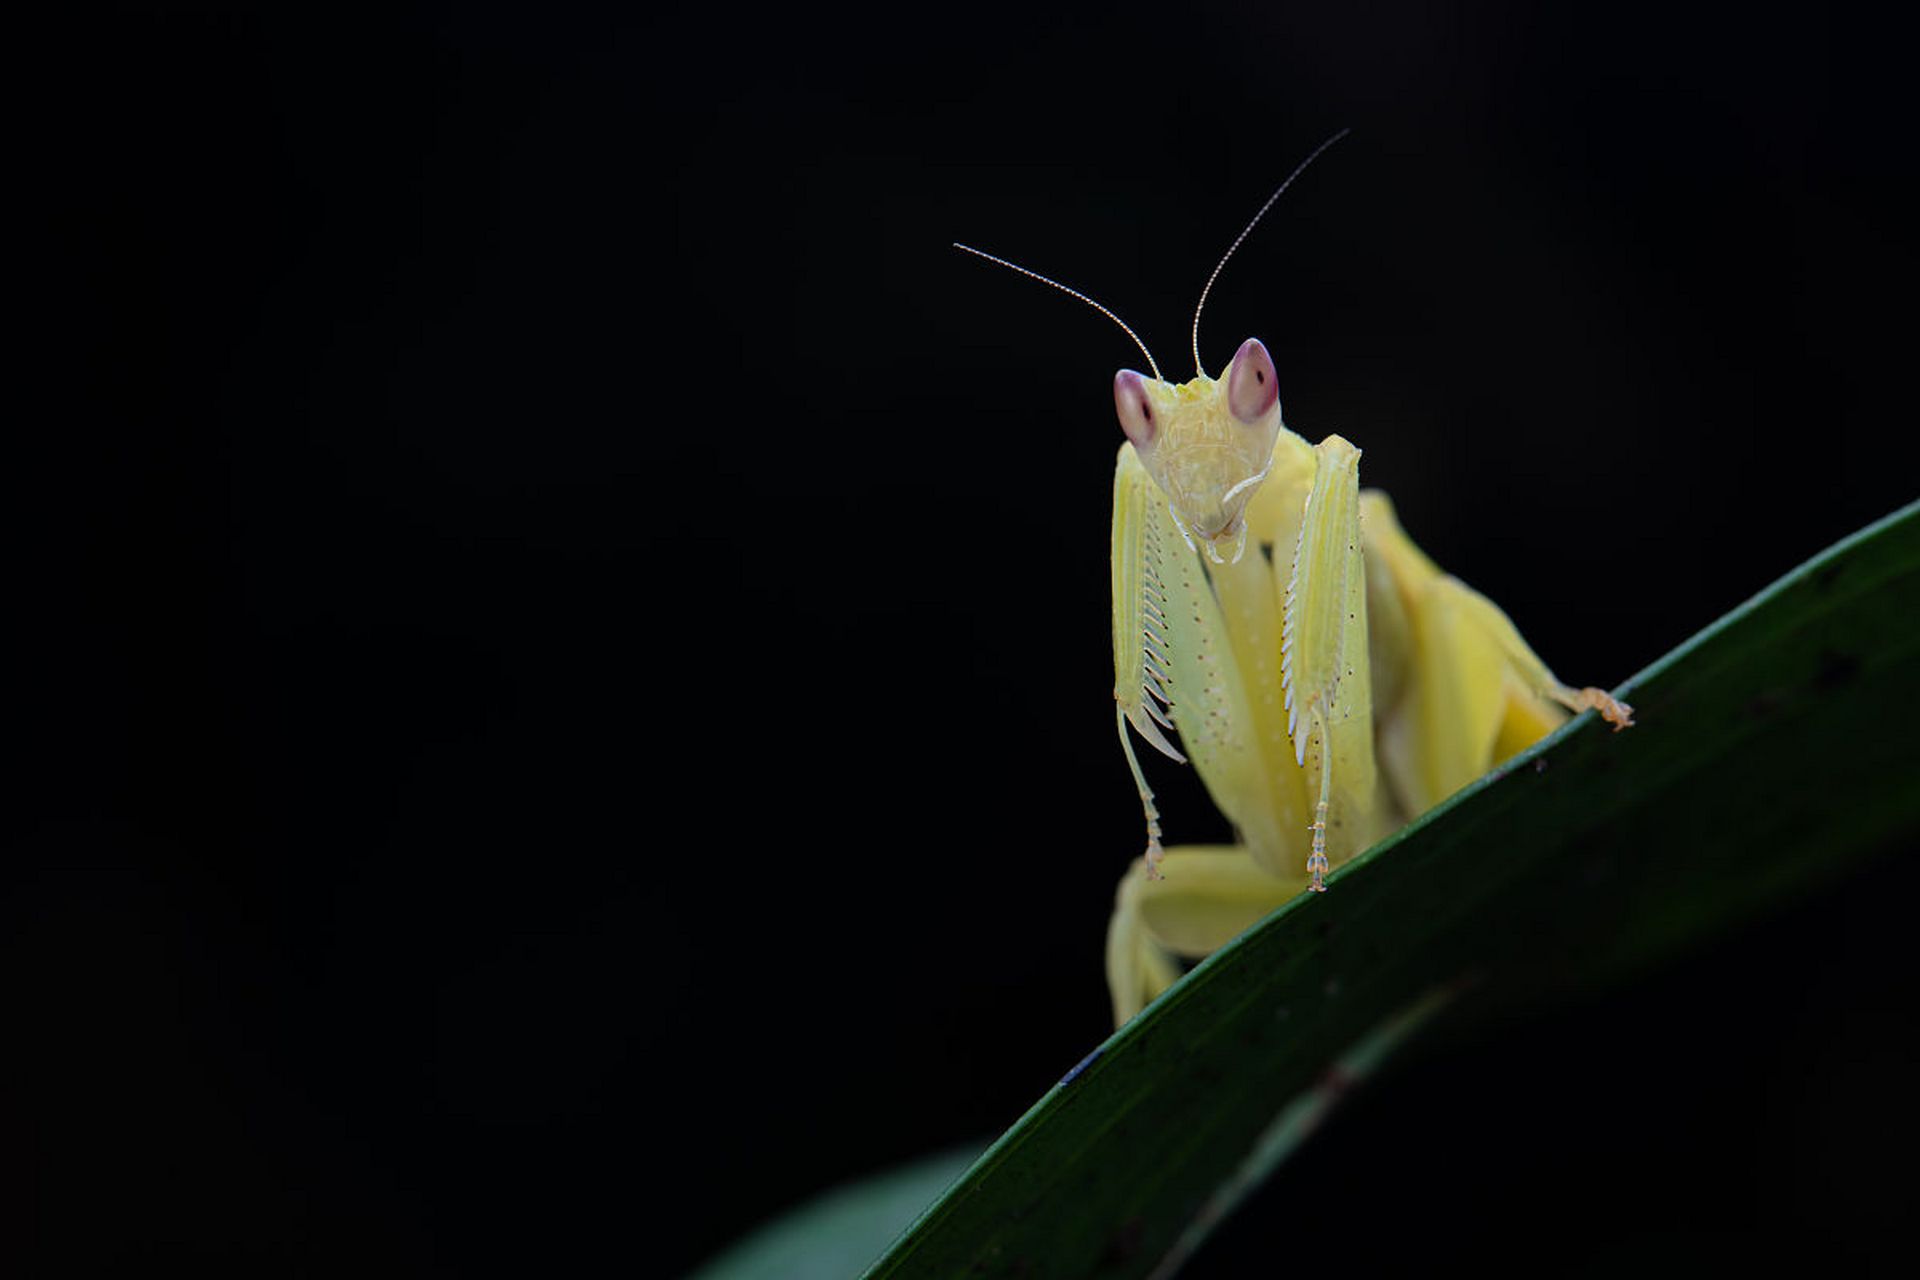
(1325,678)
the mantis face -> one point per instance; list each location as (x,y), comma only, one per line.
(1208,444)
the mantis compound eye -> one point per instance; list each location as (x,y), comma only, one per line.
(1252,386)
(1135,408)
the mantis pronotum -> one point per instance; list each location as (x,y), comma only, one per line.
(1326,679)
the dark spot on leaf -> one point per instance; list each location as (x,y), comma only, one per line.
(1823,581)
(1837,670)
(1124,1244)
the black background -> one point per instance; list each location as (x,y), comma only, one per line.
(566,668)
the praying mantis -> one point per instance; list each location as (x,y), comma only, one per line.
(1325,679)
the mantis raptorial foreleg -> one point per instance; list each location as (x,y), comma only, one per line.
(1185,661)
(1323,652)
(1155,853)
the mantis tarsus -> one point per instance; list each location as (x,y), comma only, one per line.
(1326,679)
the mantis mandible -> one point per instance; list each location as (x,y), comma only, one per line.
(1326,680)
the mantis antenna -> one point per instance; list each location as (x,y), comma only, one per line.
(1298,170)
(1089,301)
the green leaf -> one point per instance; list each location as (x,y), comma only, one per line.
(1773,749)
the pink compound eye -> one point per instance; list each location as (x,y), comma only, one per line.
(1252,387)
(1135,408)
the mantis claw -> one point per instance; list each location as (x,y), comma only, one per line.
(1317,868)
(1615,712)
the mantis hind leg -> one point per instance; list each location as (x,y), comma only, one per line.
(1209,894)
(1467,690)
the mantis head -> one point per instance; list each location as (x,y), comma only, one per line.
(1207,443)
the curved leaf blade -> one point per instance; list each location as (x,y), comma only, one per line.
(1774,748)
